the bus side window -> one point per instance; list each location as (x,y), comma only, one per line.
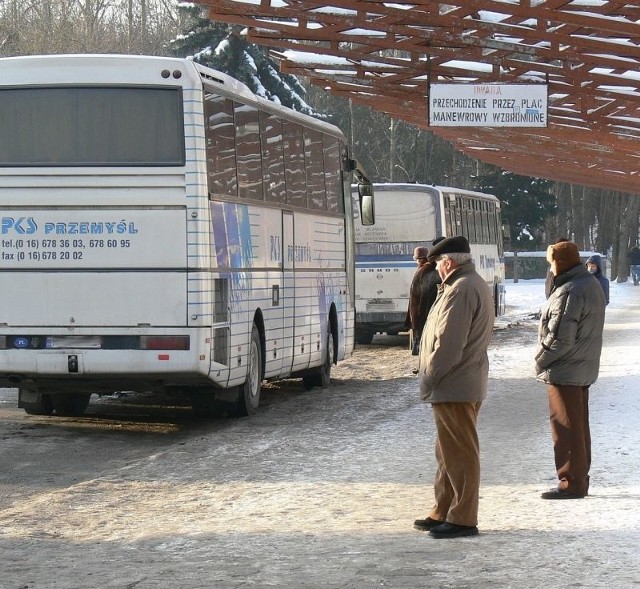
(492,223)
(485,222)
(315,169)
(466,225)
(478,220)
(448,216)
(332,174)
(221,146)
(473,230)
(272,158)
(248,152)
(294,173)
(459,229)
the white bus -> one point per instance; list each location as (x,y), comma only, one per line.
(164,228)
(410,215)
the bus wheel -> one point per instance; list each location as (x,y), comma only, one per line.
(71,405)
(42,406)
(321,376)
(249,393)
(364,337)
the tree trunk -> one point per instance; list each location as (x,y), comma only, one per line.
(143,21)
(627,236)
(392,149)
(605,219)
(130,34)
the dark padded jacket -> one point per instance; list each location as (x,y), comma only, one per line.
(423,292)
(602,279)
(570,332)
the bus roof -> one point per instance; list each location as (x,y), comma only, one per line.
(224,83)
(397,186)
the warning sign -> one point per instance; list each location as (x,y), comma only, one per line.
(488,105)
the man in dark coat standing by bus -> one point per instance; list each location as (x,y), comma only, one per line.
(454,369)
(568,361)
(422,293)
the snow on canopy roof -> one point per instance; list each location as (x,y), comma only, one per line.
(385,56)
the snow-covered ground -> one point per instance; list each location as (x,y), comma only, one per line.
(614,398)
(319,489)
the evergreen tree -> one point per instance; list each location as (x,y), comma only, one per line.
(223,48)
(526,204)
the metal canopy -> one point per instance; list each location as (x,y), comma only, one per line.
(385,54)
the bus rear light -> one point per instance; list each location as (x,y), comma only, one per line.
(164,342)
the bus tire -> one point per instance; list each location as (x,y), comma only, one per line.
(324,378)
(71,405)
(364,337)
(320,376)
(249,393)
(43,406)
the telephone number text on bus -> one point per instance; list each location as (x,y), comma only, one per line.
(40,250)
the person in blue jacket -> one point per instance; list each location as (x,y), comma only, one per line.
(594,265)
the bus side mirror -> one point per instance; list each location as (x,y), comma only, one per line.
(367,203)
(365,195)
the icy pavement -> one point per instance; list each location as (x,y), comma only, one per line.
(320,489)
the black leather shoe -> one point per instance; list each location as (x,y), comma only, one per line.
(426,524)
(447,530)
(560,494)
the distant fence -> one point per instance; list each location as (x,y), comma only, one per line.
(529,265)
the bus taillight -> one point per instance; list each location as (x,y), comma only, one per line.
(164,342)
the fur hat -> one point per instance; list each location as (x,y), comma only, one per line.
(420,252)
(450,245)
(565,254)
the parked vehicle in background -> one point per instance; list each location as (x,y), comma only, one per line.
(411,215)
(165,228)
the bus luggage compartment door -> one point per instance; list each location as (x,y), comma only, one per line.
(97,299)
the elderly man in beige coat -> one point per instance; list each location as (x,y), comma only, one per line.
(454,369)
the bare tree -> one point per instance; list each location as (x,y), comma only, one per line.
(627,235)
(30,27)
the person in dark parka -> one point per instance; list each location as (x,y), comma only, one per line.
(634,263)
(594,265)
(568,361)
(422,294)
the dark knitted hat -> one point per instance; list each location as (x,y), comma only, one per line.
(420,252)
(450,245)
(565,254)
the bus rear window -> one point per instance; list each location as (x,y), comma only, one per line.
(91,126)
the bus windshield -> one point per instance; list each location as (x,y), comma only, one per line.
(91,126)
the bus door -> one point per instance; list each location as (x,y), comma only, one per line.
(287,292)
